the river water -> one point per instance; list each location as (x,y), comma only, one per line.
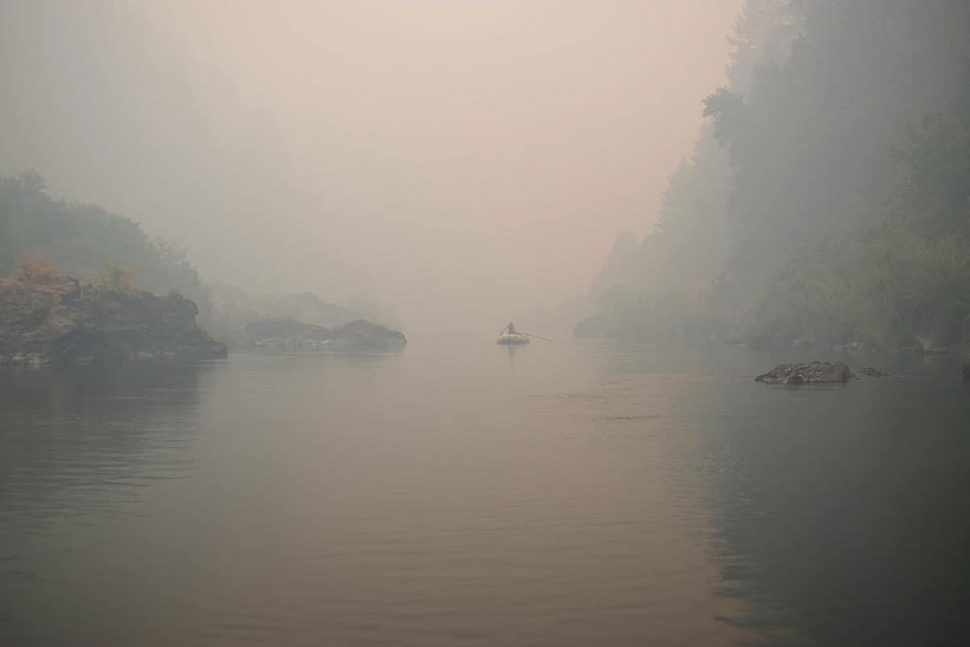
(460,493)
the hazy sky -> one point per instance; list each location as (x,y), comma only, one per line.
(453,159)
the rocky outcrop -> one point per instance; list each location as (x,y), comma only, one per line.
(287,334)
(57,320)
(366,335)
(306,306)
(232,309)
(290,334)
(807,373)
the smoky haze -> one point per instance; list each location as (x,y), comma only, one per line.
(456,161)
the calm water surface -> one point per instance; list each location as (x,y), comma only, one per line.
(459,493)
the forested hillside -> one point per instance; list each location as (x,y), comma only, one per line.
(828,199)
(87,242)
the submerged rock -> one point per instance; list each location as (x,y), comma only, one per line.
(807,373)
(874,372)
(366,335)
(57,320)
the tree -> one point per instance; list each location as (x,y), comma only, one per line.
(726,109)
(78,238)
(836,220)
(32,181)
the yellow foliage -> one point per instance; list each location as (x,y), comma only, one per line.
(117,278)
(34,270)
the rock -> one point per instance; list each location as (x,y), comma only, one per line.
(308,307)
(287,334)
(807,373)
(57,320)
(231,308)
(290,334)
(874,372)
(366,335)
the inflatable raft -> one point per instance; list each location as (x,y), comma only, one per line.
(512,338)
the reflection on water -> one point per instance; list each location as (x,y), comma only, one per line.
(83,456)
(844,513)
(464,493)
(74,443)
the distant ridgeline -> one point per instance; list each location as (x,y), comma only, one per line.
(828,199)
(87,242)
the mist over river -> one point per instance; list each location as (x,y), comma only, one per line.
(459,493)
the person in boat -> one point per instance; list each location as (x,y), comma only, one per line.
(509,329)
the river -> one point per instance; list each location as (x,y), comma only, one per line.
(459,493)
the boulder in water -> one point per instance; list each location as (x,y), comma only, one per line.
(280,334)
(367,335)
(807,373)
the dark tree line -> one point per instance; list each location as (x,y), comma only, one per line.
(829,197)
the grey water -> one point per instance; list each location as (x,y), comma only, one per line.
(461,493)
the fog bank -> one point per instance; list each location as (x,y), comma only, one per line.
(456,161)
